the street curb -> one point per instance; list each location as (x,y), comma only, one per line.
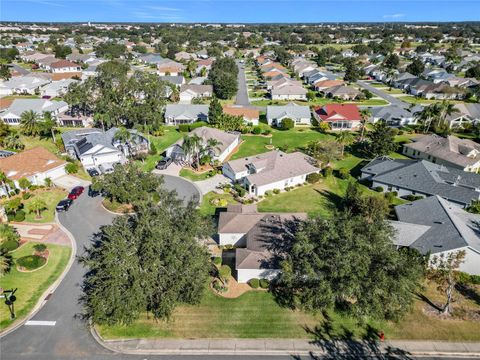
(251,352)
(42,301)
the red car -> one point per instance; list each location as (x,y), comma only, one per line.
(76,192)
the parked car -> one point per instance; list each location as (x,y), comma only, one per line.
(93,172)
(164,163)
(64,205)
(76,192)
(105,169)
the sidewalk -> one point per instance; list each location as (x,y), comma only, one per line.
(289,347)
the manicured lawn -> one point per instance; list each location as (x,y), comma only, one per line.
(32,285)
(256,314)
(161,143)
(416,100)
(51,198)
(12,97)
(207,209)
(320,102)
(293,139)
(31,142)
(191,175)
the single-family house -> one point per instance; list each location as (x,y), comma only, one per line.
(289,92)
(178,80)
(256,237)
(322,85)
(185,56)
(151,59)
(450,151)
(298,113)
(249,115)
(436,227)
(339,116)
(423,178)
(36,165)
(465,113)
(177,114)
(394,115)
(227,142)
(28,84)
(56,88)
(271,170)
(342,92)
(191,91)
(97,149)
(170,67)
(64,66)
(13,113)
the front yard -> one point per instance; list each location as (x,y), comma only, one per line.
(319,101)
(256,314)
(31,285)
(170,136)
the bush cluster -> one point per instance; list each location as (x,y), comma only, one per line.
(31,262)
(254,283)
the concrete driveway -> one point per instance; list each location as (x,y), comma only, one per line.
(211,184)
(173,170)
(68,182)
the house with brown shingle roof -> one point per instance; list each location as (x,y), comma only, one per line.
(257,237)
(35,165)
(271,170)
(64,66)
(249,115)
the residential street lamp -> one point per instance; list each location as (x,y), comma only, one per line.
(10,298)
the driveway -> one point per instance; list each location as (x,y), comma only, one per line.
(68,182)
(211,184)
(173,170)
(242,92)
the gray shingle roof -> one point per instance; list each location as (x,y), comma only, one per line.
(444,226)
(19,106)
(426,178)
(290,110)
(191,111)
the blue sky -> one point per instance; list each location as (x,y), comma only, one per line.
(239,11)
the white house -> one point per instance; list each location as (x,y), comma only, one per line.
(269,171)
(56,88)
(256,235)
(13,113)
(176,114)
(299,114)
(192,91)
(28,84)
(35,165)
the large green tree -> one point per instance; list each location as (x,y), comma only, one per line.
(381,140)
(148,262)
(223,76)
(349,263)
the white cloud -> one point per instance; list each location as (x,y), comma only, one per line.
(394,16)
(163,8)
(47,3)
(166,17)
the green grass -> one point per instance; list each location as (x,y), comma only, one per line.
(293,139)
(12,97)
(51,198)
(33,284)
(415,100)
(320,102)
(31,142)
(208,209)
(161,143)
(256,314)
(191,175)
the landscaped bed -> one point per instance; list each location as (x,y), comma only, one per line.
(31,285)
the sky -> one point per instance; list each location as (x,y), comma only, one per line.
(235,11)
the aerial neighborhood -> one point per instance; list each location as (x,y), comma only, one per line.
(321,173)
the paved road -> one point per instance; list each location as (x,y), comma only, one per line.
(380,93)
(70,338)
(185,189)
(242,92)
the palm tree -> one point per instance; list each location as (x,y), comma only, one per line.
(5,262)
(37,206)
(12,141)
(427,116)
(124,136)
(4,180)
(446,109)
(196,146)
(345,138)
(365,115)
(213,144)
(30,123)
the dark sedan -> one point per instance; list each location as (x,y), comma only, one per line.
(164,163)
(64,205)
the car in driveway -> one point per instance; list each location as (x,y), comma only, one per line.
(164,163)
(64,205)
(93,172)
(76,192)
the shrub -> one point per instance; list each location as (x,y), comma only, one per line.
(217,260)
(313,178)
(343,173)
(267,132)
(183,128)
(26,196)
(71,168)
(31,262)
(412,197)
(9,245)
(257,130)
(467,279)
(288,123)
(40,247)
(254,283)
(153,149)
(264,283)
(240,190)
(276,191)
(19,216)
(268,193)
(328,171)
(205,159)
(224,272)
(196,125)
(378,189)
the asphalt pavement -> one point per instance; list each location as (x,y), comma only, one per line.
(242,92)
(382,94)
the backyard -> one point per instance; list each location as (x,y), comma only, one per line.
(31,285)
